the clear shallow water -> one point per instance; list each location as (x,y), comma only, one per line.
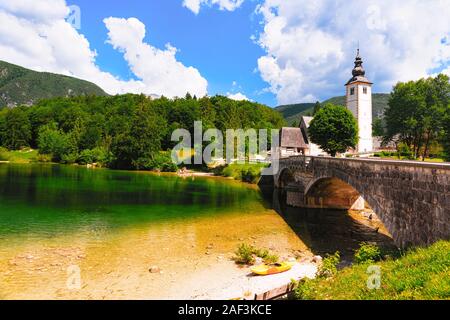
(49,200)
(114,225)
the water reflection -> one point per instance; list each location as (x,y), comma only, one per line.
(327,231)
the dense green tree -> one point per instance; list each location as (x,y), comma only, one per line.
(416,112)
(54,142)
(446,134)
(378,128)
(128,131)
(137,146)
(317,108)
(334,129)
(17,130)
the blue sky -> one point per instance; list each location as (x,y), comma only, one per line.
(271,51)
(217,42)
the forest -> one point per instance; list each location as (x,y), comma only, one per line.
(124,131)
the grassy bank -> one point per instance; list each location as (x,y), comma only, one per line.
(386,155)
(422,273)
(248,172)
(18,156)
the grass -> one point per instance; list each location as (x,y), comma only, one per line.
(419,274)
(18,156)
(393,156)
(247,254)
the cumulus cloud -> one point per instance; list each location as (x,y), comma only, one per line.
(310,45)
(195,5)
(238,96)
(159,70)
(35,34)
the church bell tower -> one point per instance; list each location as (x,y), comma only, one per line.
(359,102)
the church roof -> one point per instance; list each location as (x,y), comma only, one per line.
(358,72)
(292,138)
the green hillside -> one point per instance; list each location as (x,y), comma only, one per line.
(293,112)
(23,86)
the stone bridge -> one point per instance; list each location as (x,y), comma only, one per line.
(412,199)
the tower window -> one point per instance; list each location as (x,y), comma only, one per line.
(365,90)
(352,91)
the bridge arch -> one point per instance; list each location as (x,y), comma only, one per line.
(411,199)
(286,178)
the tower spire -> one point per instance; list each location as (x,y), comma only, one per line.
(358,70)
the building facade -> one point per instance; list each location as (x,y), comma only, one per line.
(292,143)
(359,102)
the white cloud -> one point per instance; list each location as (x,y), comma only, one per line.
(34,34)
(238,96)
(311,45)
(159,70)
(195,5)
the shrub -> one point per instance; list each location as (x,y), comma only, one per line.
(43,158)
(4,154)
(329,266)
(55,142)
(96,155)
(161,161)
(266,255)
(304,290)
(405,151)
(250,173)
(69,158)
(246,254)
(368,253)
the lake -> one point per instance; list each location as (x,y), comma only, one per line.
(110,227)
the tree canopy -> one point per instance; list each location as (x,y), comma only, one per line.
(124,131)
(417,112)
(334,129)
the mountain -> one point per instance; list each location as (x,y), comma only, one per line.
(293,112)
(19,86)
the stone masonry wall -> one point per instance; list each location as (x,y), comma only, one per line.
(412,199)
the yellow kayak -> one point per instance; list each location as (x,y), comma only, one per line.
(265,270)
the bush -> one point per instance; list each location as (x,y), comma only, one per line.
(405,151)
(44,158)
(246,254)
(329,266)
(161,161)
(4,154)
(304,290)
(368,253)
(250,173)
(266,255)
(55,142)
(96,155)
(69,158)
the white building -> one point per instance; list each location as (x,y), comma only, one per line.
(359,102)
(313,149)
